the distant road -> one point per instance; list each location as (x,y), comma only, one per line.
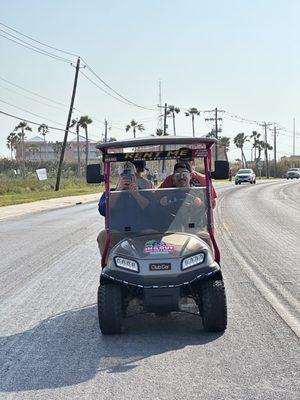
(50,343)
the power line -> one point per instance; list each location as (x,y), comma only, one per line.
(46,53)
(114,91)
(36,94)
(34,48)
(30,98)
(37,41)
(235,118)
(29,112)
(103,90)
(33,122)
(39,123)
(44,97)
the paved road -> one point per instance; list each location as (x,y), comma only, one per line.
(51,346)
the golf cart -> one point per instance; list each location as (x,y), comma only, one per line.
(165,252)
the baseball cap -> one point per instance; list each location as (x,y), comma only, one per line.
(182,164)
(140,164)
(128,168)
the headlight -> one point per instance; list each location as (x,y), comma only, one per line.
(127,264)
(193,260)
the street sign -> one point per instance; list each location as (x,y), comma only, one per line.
(260,164)
(41,174)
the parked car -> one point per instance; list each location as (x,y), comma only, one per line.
(245,175)
(293,173)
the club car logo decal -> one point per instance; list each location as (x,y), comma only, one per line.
(156,247)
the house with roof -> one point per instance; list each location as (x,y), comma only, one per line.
(38,149)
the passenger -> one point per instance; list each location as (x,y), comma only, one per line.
(128,181)
(142,182)
(196,179)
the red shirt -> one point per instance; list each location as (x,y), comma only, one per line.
(195,176)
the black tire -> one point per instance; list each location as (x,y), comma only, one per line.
(213,307)
(236,183)
(110,308)
(251,182)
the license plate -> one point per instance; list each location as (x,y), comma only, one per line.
(160,267)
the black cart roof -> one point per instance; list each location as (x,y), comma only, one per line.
(155,141)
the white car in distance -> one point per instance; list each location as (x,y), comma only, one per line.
(245,175)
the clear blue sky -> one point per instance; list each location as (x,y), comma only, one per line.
(239,56)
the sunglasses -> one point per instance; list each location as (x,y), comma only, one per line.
(183,173)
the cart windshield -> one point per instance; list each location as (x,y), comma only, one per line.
(160,210)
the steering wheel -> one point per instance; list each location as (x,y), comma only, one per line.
(185,200)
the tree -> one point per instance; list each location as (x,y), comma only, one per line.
(224,142)
(160,132)
(83,122)
(261,145)
(75,122)
(239,141)
(172,110)
(255,144)
(11,142)
(134,125)
(20,129)
(43,129)
(192,112)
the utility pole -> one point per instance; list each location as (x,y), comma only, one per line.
(160,106)
(67,127)
(164,134)
(78,151)
(294,137)
(217,130)
(105,132)
(265,125)
(275,150)
(165,119)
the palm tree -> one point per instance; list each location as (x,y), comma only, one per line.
(134,125)
(255,136)
(43,129)
(239,141)
(172,110)
(75,122)
(83,122)
(22,127)
(224,142)
(11,142)
(160,132)
(192,112)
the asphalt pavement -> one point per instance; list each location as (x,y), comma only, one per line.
(50,343)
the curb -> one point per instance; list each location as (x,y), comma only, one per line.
(19,210)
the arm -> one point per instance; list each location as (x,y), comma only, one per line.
(102,205)
(141,200)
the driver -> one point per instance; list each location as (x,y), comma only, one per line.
(182,179)
(196,179)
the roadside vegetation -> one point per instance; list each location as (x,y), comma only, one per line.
(24,190)
(19,182)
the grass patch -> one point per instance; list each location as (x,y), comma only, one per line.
(18,190)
